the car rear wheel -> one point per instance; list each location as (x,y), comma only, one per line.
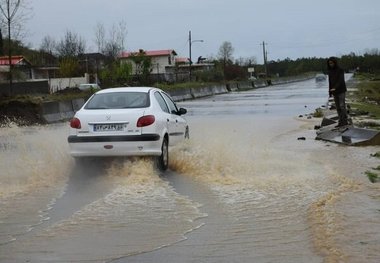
(163,159)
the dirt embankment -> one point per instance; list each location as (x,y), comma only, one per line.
(20,112)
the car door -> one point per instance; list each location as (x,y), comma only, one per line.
(177,132)
(169,118)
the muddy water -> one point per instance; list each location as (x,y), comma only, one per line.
(242,189)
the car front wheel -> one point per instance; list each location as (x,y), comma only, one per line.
(163,159)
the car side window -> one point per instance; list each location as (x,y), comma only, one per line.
(171,104)
(161,102)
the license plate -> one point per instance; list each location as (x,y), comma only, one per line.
(109,127)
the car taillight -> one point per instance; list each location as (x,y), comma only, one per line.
(75,123)
(145,121)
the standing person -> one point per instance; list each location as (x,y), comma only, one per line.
(337,89)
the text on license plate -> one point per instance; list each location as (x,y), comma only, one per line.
(109,127)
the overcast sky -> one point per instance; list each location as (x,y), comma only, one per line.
(290,28)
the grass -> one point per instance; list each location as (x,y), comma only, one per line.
(372,177)
(366,97)
(318,113)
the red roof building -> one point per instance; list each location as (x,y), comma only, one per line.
(150,53)
(161,61)
(19,63)
(15,60)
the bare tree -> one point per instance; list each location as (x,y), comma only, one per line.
(48,45)
(100,37)
(225,52)
(115,44)
(71,45)
(13,19)
(246,62)
(122,34)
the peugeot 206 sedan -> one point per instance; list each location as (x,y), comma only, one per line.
(128,121)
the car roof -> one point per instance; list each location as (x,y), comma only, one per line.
(126,89)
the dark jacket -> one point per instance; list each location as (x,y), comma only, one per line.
(337,84)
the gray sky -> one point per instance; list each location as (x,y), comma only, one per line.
(291,28)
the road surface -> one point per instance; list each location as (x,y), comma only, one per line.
(244,188)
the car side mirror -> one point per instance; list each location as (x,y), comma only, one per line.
(182,111)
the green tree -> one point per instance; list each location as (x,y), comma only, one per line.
(116,74)
(68,67)
(143,65)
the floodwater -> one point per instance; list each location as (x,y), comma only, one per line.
(251,185)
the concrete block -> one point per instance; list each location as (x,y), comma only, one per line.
(350,136)
(77,104)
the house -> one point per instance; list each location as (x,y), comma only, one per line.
(24,70)
(182,69)
(21,66)
(46,66)
(162,61)
(181,61)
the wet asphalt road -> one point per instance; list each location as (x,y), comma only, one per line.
(242,189)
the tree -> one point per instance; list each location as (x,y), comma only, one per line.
(115,44)
(143,65)
(225,54)
(1,44)
(100,37)
(71,45)
(12,18)
(246,62)
(68,66)
(69,48)
(48,45)
(116,74)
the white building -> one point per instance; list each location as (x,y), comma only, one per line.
(160,60)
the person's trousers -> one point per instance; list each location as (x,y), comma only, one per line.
(340,103)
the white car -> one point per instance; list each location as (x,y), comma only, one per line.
(128,121)
(89,86)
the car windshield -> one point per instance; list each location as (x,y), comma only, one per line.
(118,100)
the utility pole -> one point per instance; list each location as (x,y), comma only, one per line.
(265,58)
(190,62)
(190,42)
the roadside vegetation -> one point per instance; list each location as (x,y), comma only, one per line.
(374,174)
(366,97)
(365,100)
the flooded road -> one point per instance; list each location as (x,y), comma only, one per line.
(242,189)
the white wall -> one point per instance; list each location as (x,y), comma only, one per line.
(159,64)
(62,83)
